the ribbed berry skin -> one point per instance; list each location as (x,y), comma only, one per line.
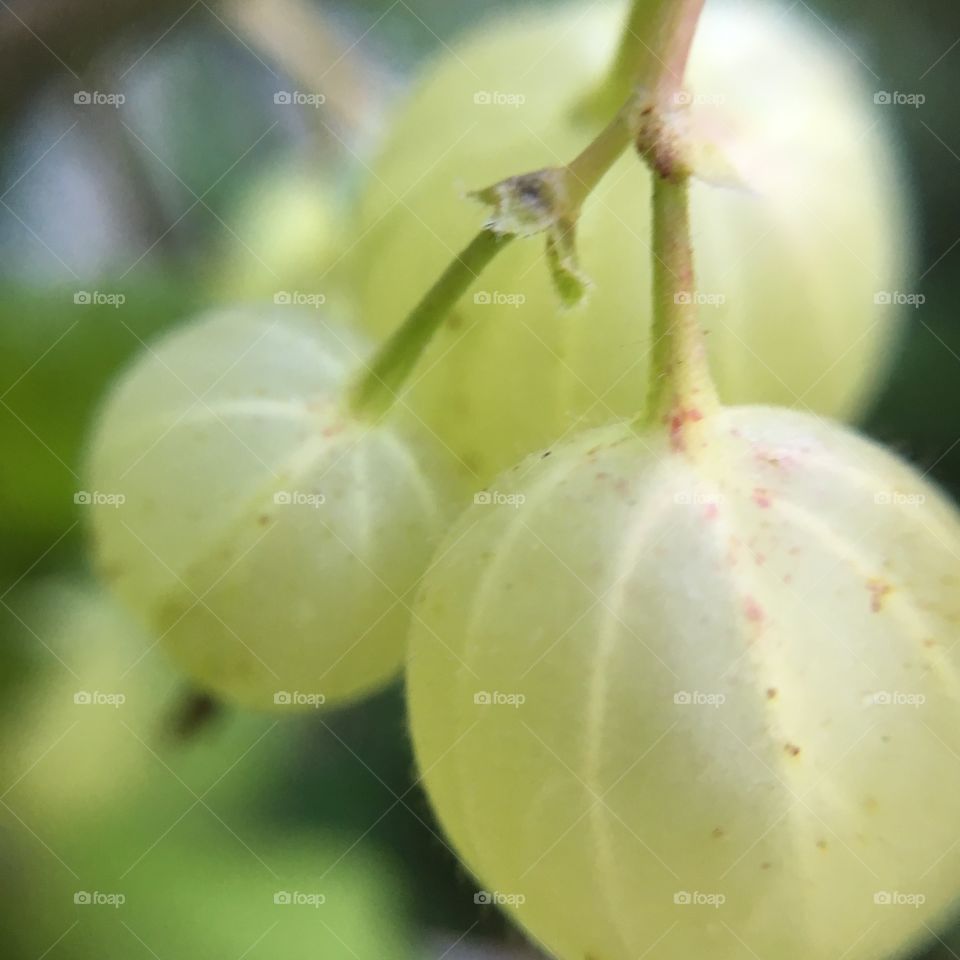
(269,536)
(789,263)
(665,667)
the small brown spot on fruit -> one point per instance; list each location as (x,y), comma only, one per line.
(718,833)
(771,693)
(879,591)
(822,845)
(792,749)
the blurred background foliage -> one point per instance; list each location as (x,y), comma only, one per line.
(201,190)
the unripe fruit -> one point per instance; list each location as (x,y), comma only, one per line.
(694,693)
(268,534)
(280,241)
(789,265)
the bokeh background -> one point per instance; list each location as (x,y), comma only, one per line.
(226,835)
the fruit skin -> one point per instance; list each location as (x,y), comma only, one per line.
(282,242)
(793,572)
(266,534)
(799,253)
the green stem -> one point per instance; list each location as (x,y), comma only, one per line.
(680,381)
(376,388)
(646,58)
(681,388)
(635,55)
(588,168)
(639,75)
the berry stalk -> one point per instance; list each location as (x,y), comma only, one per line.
(652,32)
(681,388)
(378,385)
(547,201)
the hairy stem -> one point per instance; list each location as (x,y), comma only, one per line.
(669,26)
(635,53)
(376,389)
(653,35)
(681,387)
(680,382)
